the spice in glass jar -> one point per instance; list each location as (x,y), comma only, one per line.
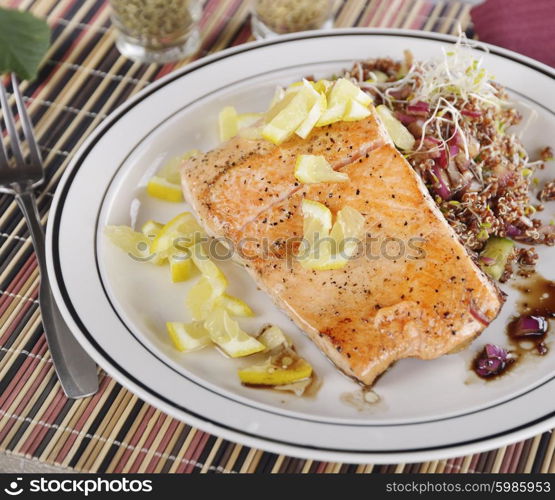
(160,30)
(288,16)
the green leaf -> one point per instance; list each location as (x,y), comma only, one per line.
(24,40)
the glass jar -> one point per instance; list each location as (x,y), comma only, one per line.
(157,31)
(277,17)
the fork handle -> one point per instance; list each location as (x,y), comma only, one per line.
(76,370)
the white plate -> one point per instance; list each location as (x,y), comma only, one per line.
(117,307)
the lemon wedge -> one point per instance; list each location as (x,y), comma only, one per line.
(294,87)
(285,368)
(209,270)
(355,111)
(398,132)
(201,299)
(341,96)
(279,94)
(311,169)
(151,229)
(226,333)
(279,104)
(322,86)
(324,250)
(234,305)
(273,337)
(332,115)
(188,337)
(181,266)
(135,244)
(344,90)
(171,170)
(317,219)
(347,231)
(316,245)
(166,184)
(314,115)
(228,124)
(180,232)
(291,115)
(158,187)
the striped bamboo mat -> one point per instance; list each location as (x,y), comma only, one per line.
(84,79)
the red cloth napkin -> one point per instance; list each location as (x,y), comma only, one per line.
(525,26)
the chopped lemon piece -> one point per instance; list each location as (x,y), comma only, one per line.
(226,333)
(181,266)
(325,261)
(279,94)
(316,245)
(340,98)
(311,169)
(398,132)
(166,184)
(171,170)
(234,305)
(286,121)
(356,111)
(151,228)
(180,232)
(313,117)
(158,187)
(294,87)
(344,90)
(135,244)
(279,105)
(286,368)
(228,123)
(322,86)
(209,270)
(273,337)
(347,231)
(201,299)
(314,211)
(188,337)
(332,115)
(248,119)
(322,250)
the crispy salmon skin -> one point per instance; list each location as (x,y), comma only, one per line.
(411,291)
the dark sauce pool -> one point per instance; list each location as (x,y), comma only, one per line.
(537,301)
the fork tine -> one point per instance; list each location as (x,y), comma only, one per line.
(10,125)
(26,124)
(3,154)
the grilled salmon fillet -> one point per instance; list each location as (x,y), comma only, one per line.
(412,291)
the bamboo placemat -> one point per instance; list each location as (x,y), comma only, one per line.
(82,81)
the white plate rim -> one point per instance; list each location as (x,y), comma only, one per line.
(214,427)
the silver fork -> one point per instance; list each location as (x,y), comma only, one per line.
(75,369)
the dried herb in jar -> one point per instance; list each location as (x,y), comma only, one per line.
(287,16)
(155,23)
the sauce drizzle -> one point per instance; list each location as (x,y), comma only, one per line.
(538,302)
